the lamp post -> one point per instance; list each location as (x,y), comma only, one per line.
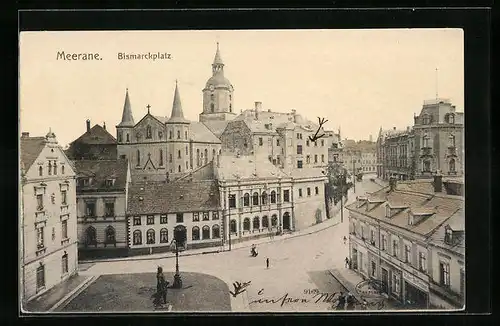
(177,277)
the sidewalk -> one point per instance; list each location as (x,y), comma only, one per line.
(55,296)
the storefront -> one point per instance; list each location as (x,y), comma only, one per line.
(416,292)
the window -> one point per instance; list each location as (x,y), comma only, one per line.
(206,216)
(384,242)
(274,220)
(215,215)
(451,165)
(255,199)
(40,171)
(265,222)
(299,164)
(308,159)
(322,158)
(179,169)
(263,197)
(215,232)
(212,107)
(206,156)
(374,268)
(128,138)
(50,168)
(426,119)
(40,277)
(185,134)
(246,199)
(322,142)
(232,226)
(308,191)
(448,236)
(195,233)
(316,190)
(273,197)
(120,137)
(444,274)
(178,134)
(161,157)
(55,168)
(64,263)
(187,150)
(451,118)
(39,202)
(422,262)
(90,236)
(138,157)
(137,220)
(163,235)
(232,201)
(299,149)
(150,236)
(315,144)
(179,218)
(427,166)
(299,136)
(148,132)
(64,229)
(110,234)
(53,234)
(205,232)
(395,283)
(256,223)
(395,248)
(150,220)
(196,217)
(90,209)
(425,141)
(170,158)
(261,142)
(387,211)
(407,254)
(372,237)
(179,153)
(137,237)
(307,143)
(109,209)
(246,224)
(277,142)
(286,196)
(300,192)
(40,238)
(315,158)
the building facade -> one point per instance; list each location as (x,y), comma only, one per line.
(101,202)
(390,238)
(95,144)
(396,154)
(48,216)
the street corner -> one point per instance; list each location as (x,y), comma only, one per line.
(137,292)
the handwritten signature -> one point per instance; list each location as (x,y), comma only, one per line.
(321,121)
(239,288)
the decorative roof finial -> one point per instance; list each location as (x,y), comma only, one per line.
(148,106)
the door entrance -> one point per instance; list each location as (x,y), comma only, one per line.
(180,236)
(385,281)
(286,221)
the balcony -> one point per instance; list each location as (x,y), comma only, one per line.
(64,241)
(426,151)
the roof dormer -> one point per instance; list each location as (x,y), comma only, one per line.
(415,217)
(373,202)
(393,209)
(360,201)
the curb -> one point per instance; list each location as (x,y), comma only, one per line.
(75,292)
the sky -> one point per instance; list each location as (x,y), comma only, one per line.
(360,80)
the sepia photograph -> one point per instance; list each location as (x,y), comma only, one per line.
(253,171)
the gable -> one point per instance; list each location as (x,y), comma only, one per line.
(97,135)
(156,127)
(52,154)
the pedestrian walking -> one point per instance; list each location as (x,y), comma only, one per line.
(345,239)
(161,285)
(346,262)
(267,263)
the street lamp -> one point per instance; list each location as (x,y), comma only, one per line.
(177,277)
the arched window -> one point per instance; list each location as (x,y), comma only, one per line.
(55,168)
(246,199)
(425,141)
(451,118)
(263,198)
(212,107)
(215,232)
(186,150)
(256,223)
(246,224)
(150,236)
(274,220)
(50,168)
(206,156)
(170,134)
(452,141)
(161,156)
(90,236)
(163,235)
(138,157)
(128,138)
(316,190)
(198,162)
(232,226)
(213,153)
(255,199)
(179,153)
(273,197)
(451,165)
(110,234)
(120,137)
(137,237)
(170,157)
(195,233)
(426,119)
(178,134)
(187,166)
(179,168)
(205,232)
(427,166)
(265,222)
(185,134)
(148,132)
(40,171)
(62,169)
(220,151)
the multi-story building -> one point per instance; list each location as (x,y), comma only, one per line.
(101,198)
(396,154)
(48,215)
(392,233)
(95,144)
(157,210)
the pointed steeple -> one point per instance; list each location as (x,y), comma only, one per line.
(177,116)
(218,65)
(127,118)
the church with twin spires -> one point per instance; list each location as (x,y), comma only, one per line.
(160,148)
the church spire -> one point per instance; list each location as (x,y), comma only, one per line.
(127,118)
(218,65)
(177,115)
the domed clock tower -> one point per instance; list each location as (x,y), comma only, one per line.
(218,99)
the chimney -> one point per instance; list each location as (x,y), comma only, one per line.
(438,182)
(88,124)
(258,108)
(393,128)
(25,135)
(104,125)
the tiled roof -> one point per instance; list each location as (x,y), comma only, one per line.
(174,197)
(31,147)
(97,135)
(457,223)
(276,119)
(216,127)
(308,173)
(420,186)
(100,171)
(246,167)
(200,133)
(161,119)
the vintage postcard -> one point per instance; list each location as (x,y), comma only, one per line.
(242,171)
